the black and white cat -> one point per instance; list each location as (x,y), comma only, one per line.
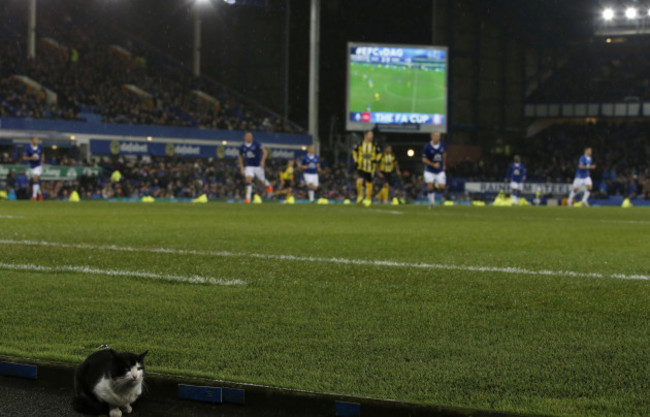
(108,382)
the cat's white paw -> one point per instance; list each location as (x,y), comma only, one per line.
(127,409)
(115,412)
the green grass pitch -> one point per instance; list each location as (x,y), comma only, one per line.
(398,90)
(337,299)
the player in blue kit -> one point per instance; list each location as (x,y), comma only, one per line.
(516,175)
(35,156)
(582,179)
(434,158)
(252,158)
(310,164)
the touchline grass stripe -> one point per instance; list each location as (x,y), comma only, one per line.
(344,261)
(121,273)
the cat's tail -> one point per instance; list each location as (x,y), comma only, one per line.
(86,405)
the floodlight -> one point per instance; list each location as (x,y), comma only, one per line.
(230,1)
(648,12)
(630,13)
(410,153)
(608,14)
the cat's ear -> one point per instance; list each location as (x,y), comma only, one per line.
(142,355)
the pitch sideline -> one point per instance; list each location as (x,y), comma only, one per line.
(116,272)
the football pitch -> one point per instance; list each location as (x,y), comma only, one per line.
(400,90)
(540,310)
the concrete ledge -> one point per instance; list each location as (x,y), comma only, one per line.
(18,370)
(231,398)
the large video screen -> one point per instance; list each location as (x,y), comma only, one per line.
(397,87)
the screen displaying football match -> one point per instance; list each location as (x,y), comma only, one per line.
(397,87)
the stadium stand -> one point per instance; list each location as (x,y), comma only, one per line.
(89,75)
(596,73)
(94,79)
(97,75)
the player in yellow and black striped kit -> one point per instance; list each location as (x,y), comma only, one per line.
(286,179)
(388,167)
(366,157)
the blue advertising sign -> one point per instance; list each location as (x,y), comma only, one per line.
(398,118)
(126,147)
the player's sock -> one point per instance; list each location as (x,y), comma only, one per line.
(515,199)
(585,196)
(384,195)
(432,198)
(572,194)
(359,191)
(369,191)
(311,196)
(249,191)
(36,190)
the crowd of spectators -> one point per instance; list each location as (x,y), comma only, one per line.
(91,78)
(218,179)
(16,100)
(173,177)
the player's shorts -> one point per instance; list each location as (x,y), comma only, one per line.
(254,172)
(311,179)
(367,176)
(439,178)
(516,186)
(37,170)
(388,177)
(581,182)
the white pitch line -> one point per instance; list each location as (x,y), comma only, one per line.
(387,211)
(120,273)
(571,219)
(343,261)
(10,217)
(625,221)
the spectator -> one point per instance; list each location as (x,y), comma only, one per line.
(10,182)
(22,186)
